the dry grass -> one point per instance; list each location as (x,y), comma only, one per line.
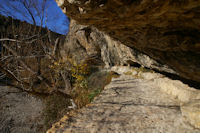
(56,106)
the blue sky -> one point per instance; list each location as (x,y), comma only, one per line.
(53,18)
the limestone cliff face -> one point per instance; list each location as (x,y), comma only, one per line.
(86,42)
(168,30)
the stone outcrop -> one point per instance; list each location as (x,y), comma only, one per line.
(83,42)
(191,112)
(168,31)
(136,102)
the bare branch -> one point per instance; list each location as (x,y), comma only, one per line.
(27,6)
(14,40)
(8,39)
(24,57)
(55,46)
(24,65)
(9,73)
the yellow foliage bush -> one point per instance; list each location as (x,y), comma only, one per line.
(85,85)
(75,71)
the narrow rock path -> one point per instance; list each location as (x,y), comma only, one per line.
(128,105)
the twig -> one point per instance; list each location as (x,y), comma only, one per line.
(23,57)
(55,46)
(29,42)
(25,66)
(8,39)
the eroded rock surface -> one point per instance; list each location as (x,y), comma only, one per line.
(83,42)
(166,30)
(133,103)
(191,111)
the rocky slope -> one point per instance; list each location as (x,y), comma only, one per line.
(137,102)
(86,42)
(19,111)
(22,112)
(168,31)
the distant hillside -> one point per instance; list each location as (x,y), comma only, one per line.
(27,51)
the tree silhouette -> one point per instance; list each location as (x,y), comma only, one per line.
(34,11)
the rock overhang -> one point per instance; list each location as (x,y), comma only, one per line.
(168,31)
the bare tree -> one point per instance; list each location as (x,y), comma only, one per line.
(29,9)
(26,55)
(28,50)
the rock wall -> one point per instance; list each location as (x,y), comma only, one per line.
(84,42)
(168,31)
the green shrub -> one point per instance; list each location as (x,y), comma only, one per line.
(93,94)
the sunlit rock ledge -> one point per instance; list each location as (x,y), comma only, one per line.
(137,101)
